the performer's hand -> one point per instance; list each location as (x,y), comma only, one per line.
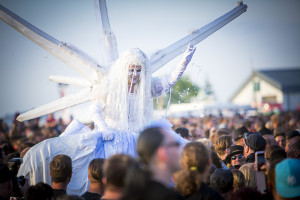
(188,54)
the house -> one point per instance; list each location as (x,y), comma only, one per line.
(271,89)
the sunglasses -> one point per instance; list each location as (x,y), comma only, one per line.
(239,156)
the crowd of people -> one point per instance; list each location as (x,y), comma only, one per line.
(239,157)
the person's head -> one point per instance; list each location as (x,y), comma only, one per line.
(270,140)
(293,150)
(61,169)
(206,142)
(278,154)
(40,191)
(249,173)
(223,131)
(287,178)
(136,61)
(279,136)
(236,155)
(253,142)
(222,146)
(270,149)
(195,162)
(95,172)
(239,135)
(184,132)
(156,146)
(290,135)
(238,179)
(221,180)
(115,169)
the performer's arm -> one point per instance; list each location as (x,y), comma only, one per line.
(165,83)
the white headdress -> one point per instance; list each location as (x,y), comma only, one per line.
(117,101)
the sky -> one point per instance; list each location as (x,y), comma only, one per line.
(266,36)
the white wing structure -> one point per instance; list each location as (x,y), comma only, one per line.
(163,56)
(91,71)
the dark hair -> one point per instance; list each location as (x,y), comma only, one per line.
(278,154)
(184,132)
(149,141)
(60,168)
(221,180)
(40,191)
(271,149)
(95,170)
(114,169)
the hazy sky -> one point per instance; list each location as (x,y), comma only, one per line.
(266,36)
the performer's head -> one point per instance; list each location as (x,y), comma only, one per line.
(135,62)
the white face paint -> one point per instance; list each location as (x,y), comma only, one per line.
(134,74)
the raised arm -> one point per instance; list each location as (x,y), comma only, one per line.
(163,85)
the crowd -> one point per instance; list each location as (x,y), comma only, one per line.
(239,157)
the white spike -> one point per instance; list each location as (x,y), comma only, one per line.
(59,104)
(70,80)
(109,40)
(162,57)
(71,56)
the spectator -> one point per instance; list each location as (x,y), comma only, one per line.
(238,180)
(9,186)
(249,173)
(114,173)
(222,181)
(40,191)
(290,135)
(159,154)
(253,142)
(222,146)
(270,140)
(293,150)
(184,132)
(239,136)
(215,159)
(279,136)
(265,131)
(95,176)
(61,173)
(235,157)
(270,149)
(287,180)
(278,154)
(69,197)
(206,142)
(191,180)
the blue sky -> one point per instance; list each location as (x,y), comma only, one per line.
(266,36)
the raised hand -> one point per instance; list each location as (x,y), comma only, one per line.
(188,54)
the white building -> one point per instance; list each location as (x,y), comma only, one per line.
(268,89)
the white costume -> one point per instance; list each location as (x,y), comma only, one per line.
(124,116)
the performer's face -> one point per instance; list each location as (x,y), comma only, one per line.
(134,74)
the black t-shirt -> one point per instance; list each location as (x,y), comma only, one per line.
(205,193)
(250,158)
(58,193)
(91,196)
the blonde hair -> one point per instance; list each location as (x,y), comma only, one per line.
(222,144)
(249,173)
(238,179)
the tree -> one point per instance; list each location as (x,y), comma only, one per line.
(182,92)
